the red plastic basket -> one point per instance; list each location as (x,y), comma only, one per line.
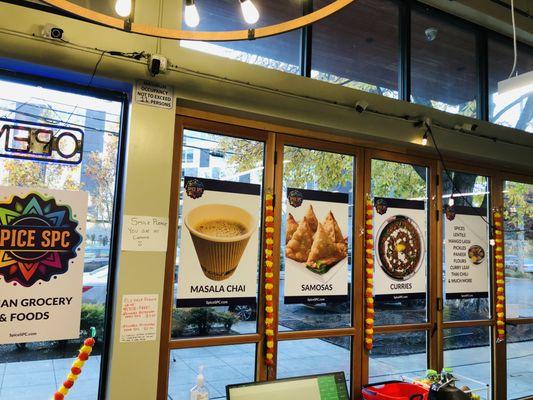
(394,390)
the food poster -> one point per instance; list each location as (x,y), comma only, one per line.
(219,249)
(316,246)
(400,249)
(42,247)
(467,253)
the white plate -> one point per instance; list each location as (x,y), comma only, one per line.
(301,274)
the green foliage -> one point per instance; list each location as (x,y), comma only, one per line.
(92,315)
(201,320)
(390,179)
(518,204)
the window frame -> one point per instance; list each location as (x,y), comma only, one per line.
(116,226)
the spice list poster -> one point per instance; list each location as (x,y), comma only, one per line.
(42,245)
(219,247)
(467,253)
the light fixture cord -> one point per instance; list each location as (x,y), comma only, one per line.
(514,41)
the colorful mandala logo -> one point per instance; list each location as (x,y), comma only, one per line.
(38,238)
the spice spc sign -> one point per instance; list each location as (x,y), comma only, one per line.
(42,236)
(154,94)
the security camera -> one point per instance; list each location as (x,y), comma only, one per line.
(157,64)
(51,31)
(431,33)
(466,127)
(361,106)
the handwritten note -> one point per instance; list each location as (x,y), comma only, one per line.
(143,233)
(138,321)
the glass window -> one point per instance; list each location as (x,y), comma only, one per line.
(350,49)
(223,365)
(39,367)
(443,64)
(224,159)
(406,185)
(518,239)
(466,242)
(519,361)
(323,175)
(280,52)
(515,108)
(467,352)
(314,356)
(398,355)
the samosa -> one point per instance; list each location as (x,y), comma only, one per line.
(311,218)
(300,244)
(332,229)
(292,225)
(324,252)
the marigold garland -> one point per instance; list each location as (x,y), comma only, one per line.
(83,355)
(369,269)
(500,275)
(269,278)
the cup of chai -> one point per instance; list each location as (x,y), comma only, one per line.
(220,233)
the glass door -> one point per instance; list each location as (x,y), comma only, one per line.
(403,231)
(319,258)
(217,202)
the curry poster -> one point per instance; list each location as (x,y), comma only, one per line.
(400,249)
(42,245)
(467,253)
(219,244)
(316,246)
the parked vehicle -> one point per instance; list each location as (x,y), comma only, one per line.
(95,285)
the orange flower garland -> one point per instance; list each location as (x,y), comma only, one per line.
(269,278)
(369,265)
(75,371)
(500,275)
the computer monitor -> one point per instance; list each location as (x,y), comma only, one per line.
(330,386)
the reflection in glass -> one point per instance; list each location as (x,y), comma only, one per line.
(443,64)
(224,158)
(399,181)
(467,351)
(280,52)
(515,108)
(519,361)
(469,190)
(518,239)
(351,50)
(223,365)
(100,120)
(314,356)
(398,355)
(316,170)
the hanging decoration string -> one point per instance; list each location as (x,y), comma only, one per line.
(500,274)
(75,371)
(269,278)
(369,271)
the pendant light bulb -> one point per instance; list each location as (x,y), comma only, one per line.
(249,12)
(192,18)
(451,202)
(123,8)
(425,139)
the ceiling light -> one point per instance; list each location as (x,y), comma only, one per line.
(249,11)
(192,18)
(521,83)
(123,8)
(451,202)
(425,138)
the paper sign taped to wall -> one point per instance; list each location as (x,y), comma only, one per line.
(144,233)
(154,94)
(138,322)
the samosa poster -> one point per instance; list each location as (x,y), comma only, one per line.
(316,246)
